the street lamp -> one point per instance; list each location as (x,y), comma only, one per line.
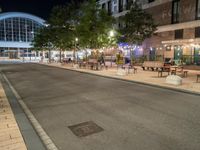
(111,33)
(76,40)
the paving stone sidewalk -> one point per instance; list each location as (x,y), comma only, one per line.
(147,77)
(10,136)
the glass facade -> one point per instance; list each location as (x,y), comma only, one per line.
(18,29)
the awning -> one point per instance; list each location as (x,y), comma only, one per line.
(182,42)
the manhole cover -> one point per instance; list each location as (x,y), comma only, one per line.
(85,129)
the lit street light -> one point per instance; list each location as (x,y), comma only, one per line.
(111,33)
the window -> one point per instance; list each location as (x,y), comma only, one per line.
(198,9)
(104,6)
(128,4)
(179,34)
(109,8)
(18,29)
(120,5)
(175,11)
(197,32)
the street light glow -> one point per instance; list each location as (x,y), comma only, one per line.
(76,39)
(111,34)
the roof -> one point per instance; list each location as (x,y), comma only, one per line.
(21,15)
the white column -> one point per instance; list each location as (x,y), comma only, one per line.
(18,53)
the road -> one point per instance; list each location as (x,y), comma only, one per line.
(133,116)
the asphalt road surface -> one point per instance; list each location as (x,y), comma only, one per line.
(133,116)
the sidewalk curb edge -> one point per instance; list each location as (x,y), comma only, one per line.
(48,143)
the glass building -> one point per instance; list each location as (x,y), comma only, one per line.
(17,30)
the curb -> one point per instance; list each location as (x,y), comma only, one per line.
(9,139)
(130,81)
(40,131)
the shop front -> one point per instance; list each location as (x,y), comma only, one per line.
(186,51)
(197,55)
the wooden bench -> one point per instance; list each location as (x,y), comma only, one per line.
(93,64)
(82,64)
(153,65)
(198,76)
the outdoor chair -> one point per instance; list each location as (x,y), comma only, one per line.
(130,68)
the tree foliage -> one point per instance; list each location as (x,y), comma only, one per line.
(87,22)
(138,25)
(94,26)
(59,30)
(42,39)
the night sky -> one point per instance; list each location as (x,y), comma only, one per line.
(41,8)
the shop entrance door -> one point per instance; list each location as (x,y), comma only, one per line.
(197,56)
(178,53)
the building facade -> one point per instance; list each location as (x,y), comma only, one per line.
(17,30)
(178,33)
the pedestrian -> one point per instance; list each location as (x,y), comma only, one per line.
(102,60)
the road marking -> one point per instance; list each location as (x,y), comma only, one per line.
(40,131)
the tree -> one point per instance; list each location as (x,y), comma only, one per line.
(61,23)
(94,26)
(42,41)
(139,25)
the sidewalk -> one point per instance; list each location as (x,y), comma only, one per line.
(146,77)
(10,136)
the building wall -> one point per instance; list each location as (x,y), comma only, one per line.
(161,10)
(162,13)
(188,10)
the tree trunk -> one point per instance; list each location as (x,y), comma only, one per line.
(74,57)
(42,56)
(86,56)
(49,56)
(60,55)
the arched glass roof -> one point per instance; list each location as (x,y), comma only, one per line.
(19,27)
(21,15)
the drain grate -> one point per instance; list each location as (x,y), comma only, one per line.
(85,128)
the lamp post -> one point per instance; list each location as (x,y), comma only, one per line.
(111,34)
(76,40)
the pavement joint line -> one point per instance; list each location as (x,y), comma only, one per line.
(42,134)
(127,80)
